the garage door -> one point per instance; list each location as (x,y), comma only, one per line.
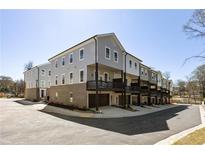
(103,100)
(127,100)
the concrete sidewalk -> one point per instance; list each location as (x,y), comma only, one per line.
(107,111)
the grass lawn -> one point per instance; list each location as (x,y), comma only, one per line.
(195,138)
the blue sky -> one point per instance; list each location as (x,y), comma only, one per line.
(155,36)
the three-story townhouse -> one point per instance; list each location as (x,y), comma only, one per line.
(144,84)
(153,86)
(37,81)
(93,73)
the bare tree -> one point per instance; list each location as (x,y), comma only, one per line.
(181,87)
(166,75)
(195,28)
(199,75)
(192,88)
(19,87)
(28,66)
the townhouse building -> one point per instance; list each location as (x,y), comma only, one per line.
(96,72)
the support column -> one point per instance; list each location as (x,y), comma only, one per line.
(96,76)
(96,89)
(139,95)
(125,83)
(149,95)
(139,99)
(122,87)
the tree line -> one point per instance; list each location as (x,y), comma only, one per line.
(10,87)
(193,87)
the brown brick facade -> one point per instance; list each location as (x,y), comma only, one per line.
(63,92)
(31,94)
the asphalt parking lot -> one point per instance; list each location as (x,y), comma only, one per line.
(21,124)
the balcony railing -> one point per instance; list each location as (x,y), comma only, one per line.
(102,85)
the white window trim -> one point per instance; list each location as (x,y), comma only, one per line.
(62,78)
(49,83)
(83,54)
(136,65)
(83,75)
(93,74)
(70,79)
(42,84)
(57,80)
(48,73)
(108,75)
(69,57)
(109,53)
(56,61)
(62,61)
(44,72)
(130,63)
(117,56)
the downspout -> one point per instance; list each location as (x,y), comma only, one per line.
(96,76)
(169,92)
(139,84)
(37,87)
(125,82)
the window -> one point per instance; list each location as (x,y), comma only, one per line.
(56,80)
(106,77)
(71,97)
(49,83)
(63,79)
(101,77)
(153,76)
(142,71)
(63,61)
(56,63)
(145,73)
(107,53)
(42,83)
(135,65)
(71,58)
(115,56)
(71,78)
(130,64)
(42,72)
(81,54)
(81,75)
(49,73)
(56,94)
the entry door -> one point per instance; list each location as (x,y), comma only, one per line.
(42,93)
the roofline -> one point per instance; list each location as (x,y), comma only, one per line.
(38,66)
(72,47)
(134,56)
(145,65)
(30,69)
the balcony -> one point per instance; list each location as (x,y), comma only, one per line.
(133,89)
(102,85)
(117,85)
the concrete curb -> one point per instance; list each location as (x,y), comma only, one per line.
(53,109)
(170,140)
(202,112)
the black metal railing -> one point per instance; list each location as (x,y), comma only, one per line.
(102,85)
(108,85)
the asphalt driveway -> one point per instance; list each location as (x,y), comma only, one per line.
(21,124)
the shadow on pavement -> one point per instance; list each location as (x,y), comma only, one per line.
(25,102)
(151,122)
